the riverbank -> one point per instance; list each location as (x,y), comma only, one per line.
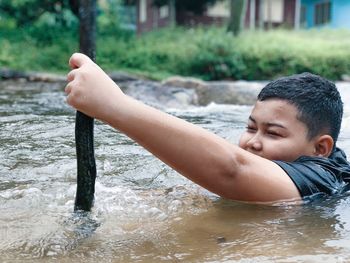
(173,92)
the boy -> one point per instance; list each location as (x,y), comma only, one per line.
(288,151)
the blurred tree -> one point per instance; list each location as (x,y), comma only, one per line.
(74,6)
(26,12)
(237,11)
(57,13)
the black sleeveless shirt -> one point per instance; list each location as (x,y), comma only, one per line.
(319,175)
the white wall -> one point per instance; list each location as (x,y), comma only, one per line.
(143,11)
(273,10)
(220,9)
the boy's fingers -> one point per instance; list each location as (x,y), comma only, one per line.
(71,75)
(69,100)
(78,59)
(68,89)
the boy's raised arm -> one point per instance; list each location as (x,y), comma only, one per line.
(201,156)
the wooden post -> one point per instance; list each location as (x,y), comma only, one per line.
(84,125)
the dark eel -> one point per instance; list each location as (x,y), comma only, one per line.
(84,125)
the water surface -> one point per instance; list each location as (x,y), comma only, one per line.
(144,211)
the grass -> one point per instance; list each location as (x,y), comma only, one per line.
(207,53)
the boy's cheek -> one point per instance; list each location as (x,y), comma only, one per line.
(243,140)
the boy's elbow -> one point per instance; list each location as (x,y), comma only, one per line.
(229,175)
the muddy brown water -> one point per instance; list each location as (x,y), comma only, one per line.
(144,211)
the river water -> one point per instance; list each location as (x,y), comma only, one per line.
(144,211)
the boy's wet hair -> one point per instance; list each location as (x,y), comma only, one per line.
(317,100)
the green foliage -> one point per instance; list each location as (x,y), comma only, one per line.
(212,53)
(45,30)
(26,12)
(216,57)
(208,53)
(159,52)
(5,55)
(109,15)
(283,52)
(22,51)
(42,20)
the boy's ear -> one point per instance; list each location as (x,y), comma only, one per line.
(324,145)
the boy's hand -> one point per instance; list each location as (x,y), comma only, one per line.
(89,88)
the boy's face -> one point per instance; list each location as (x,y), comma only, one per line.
(275,133)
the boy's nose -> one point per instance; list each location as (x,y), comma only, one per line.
(255,144)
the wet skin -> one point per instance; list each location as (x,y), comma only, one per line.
(275,133)
(244,173)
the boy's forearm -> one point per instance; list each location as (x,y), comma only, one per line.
(194,152)
(203,157)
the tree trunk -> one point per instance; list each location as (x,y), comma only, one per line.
(237,14)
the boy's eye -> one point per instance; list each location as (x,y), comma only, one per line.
(250,129)
(274,134)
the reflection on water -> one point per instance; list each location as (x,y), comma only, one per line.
(144,211)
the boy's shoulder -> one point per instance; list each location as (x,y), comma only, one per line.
(314,175)
(337,160)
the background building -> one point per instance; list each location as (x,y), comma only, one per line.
(264,14)
(321,13)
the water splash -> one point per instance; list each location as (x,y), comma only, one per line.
(143,210)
